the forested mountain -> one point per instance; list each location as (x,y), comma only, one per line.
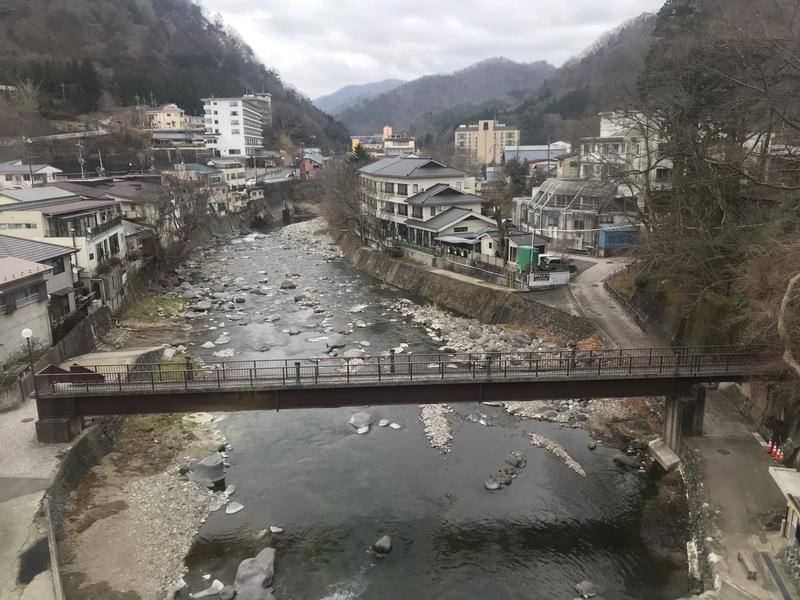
(602,78)
(353,94)
(84,54)
(414,105)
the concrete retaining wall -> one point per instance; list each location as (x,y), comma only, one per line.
(489,305)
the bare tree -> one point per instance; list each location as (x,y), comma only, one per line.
(179,211)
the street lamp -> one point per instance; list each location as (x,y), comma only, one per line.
(27,334)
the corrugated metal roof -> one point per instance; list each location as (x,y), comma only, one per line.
(48,192)
(411,167)
(14,269)
(30,249)
(69,207)
(442,194)
(127,189)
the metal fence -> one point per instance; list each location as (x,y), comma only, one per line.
(396,369)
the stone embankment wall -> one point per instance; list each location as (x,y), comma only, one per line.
(487,304)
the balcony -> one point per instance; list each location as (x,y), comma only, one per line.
(57,228)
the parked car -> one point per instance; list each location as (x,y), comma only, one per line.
(550,262)
(250,182)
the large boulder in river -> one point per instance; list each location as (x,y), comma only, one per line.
(586,589)
(288,284)
(255,575)
(336,340)
(383,546)
(202,305)
(360,419)
(208,472)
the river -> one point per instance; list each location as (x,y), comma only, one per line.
(335,492)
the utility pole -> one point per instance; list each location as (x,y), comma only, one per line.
(101,170)
(79,146)
(26,144)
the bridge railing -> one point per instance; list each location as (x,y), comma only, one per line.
(399,368)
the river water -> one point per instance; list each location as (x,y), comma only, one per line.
(335,492)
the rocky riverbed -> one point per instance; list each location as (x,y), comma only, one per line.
(321,486)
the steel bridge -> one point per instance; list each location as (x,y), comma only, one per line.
(301,383)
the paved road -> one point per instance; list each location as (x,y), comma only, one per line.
(736,479)
(597,306)
(25,471)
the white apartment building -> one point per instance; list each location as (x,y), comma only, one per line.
(628,151)
(234,126)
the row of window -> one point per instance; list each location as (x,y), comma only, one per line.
(18,226)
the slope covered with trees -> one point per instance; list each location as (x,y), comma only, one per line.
(415,105)
(349,95)
(85,55)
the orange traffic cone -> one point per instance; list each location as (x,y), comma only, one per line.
(774,452)
(780,455)
(769,446)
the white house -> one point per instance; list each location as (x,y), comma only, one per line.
(629,151)
(234,126)
(16,174)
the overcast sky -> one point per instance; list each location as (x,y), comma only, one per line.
(319,46)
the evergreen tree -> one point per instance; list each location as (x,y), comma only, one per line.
(359,156)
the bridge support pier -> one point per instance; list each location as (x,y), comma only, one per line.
(683,416)
(57,430)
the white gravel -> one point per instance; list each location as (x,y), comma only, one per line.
(437,426)
(539,441)
(313,235)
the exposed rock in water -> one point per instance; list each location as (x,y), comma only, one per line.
(360,419)
(586,589)
(336,340)
(624,460)
(383,422)
(208,472)
(227,593)
(216,588)
(592,445)
(383,546)
(288,284)
(540,441)
(233,508)
(255,575)
(202,305)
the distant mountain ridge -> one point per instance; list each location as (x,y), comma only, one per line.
(349,95)
(494,79)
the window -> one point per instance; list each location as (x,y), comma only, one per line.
(586,149)
(577,224)
(552,220)
(416,212)
(234,113)
(234,121)
(458,185)
(402,189)
(388,207)
(586,171)
(460,229)
(18,226)
(234,151)
(433,211)
(402,210)
(663,174)
(233,103)
(573,164)
(235,132)
(58,265)
(615,149)
(490,245)
(415,188)
(388,187)
(28,295)
(605,218)
(486,126)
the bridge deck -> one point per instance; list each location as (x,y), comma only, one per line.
(401,379)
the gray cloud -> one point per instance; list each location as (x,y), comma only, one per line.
(319,46)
